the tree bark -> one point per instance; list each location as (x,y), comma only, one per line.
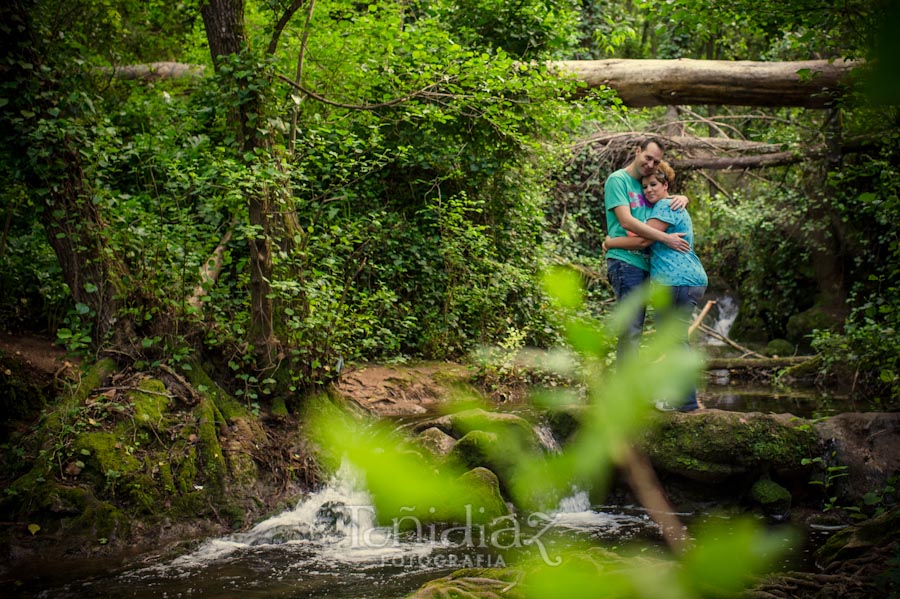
(690,153)
(96,277)
(224,23)
(641,83)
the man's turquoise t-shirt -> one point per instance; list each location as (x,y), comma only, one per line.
(667,266)
(621,189)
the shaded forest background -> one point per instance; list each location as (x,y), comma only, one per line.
(385,181)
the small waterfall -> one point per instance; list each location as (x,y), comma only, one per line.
(726,314)
(578,501)
(545,436)
(339,520)
(576,513)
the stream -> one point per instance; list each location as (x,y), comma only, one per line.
(329,546)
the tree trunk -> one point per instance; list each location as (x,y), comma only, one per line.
(96,277)
(640,83)
(224,22)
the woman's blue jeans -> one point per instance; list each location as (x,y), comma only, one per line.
(624,279)
(684,300)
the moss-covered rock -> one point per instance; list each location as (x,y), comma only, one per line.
(475,449)
(800,326)
(774,499)
(436,442)
(857,540)
(749,327)
(715,446)
(485,486)
(510,429)
(564,422)
(779,348)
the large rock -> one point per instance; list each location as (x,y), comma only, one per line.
(865,447)
(715,446)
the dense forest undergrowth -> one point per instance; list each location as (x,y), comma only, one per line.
(343,183)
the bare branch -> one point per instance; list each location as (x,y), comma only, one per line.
(282,23)
(394,102)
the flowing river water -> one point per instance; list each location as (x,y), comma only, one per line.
(330,546)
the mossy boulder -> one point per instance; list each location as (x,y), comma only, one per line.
(749,327)
(564,422)
(436,442)
(488,503)
(779,348)
(511,430)
(867,446)
(860,539)
(774,499)
(715,446)
(477,448)
(800,326)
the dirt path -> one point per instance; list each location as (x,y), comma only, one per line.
(402,390)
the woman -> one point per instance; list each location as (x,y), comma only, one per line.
(681,271)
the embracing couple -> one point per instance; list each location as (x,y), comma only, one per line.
(650,236)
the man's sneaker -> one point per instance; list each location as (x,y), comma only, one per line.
(664,407)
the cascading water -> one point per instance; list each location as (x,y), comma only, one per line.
(339,520)
(329,545)
(726,313)
(576,514)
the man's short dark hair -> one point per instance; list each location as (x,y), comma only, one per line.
(653,140)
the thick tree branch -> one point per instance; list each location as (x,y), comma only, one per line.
(707,152)
(155,71)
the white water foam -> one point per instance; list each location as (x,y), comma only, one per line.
(575,512)
(339,521)
(727,313)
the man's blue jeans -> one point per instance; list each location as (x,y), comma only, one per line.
(624,279)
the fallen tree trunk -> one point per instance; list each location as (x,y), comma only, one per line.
(155,71)
(756,363)
(642,83)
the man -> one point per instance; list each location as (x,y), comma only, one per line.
(626,211)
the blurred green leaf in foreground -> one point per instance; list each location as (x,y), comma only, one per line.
(714,561)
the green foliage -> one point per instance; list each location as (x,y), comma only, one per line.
(410,186)
(523,29)
(868,203)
